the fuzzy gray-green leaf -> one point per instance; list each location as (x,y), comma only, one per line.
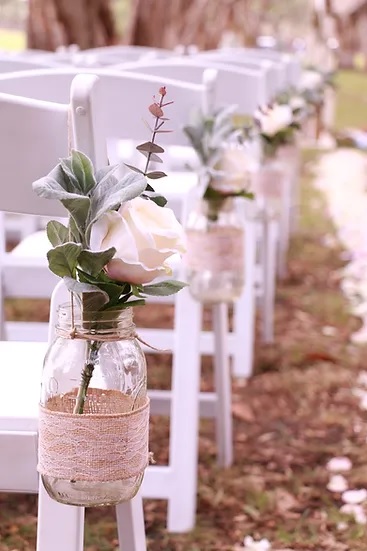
(57,233)
(82,168)
(63,259)
(93,262)
(107,197)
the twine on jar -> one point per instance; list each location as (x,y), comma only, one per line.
(108,442)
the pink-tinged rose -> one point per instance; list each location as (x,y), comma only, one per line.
(145,237)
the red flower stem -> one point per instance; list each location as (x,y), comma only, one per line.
(156,127)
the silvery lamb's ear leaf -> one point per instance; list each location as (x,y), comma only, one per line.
(93,298)
(108,196)
(93,262)
(78,207)
(83,170)
(106,173)
(63,259)
(55,186)
(57,233)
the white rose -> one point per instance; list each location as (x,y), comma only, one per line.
(310,80)
(235,164)
(297,103)
(274,119)
(144,235)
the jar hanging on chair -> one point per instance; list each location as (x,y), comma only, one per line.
(94,413)
(215,258)
(269,183)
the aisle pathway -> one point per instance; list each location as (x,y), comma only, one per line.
(342,176)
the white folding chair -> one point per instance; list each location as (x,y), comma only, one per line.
(177,482)
(59,527)
(247,89)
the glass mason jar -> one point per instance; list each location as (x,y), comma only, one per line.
(215,250)
(269,183)
(94,413)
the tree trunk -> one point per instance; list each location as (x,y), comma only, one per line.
(55,23)
(167,23)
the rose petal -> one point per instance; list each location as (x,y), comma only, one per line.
(353,497)
(356,511)
(339,464)
(337,484)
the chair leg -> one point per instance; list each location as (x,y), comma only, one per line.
(130,525)
(269,278)
(60,527)
(223,387)
(245,310)
(284,228)
(184,420)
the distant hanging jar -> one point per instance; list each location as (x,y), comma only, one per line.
(215,258)
(94,413)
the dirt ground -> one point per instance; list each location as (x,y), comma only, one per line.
(296,413)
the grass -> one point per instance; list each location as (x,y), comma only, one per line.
(299,413)
(351,108)
(12,40)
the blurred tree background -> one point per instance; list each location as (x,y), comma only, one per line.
(158,23)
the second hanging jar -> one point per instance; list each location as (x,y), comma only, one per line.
(215,250)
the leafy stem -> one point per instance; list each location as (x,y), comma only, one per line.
(157,125)
(87,373)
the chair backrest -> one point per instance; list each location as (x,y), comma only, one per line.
(33,136)
(112,55)
(279,78)
(292,64)
(244,87)
(34,132)
(10,64)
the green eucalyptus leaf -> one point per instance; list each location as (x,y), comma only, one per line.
(57,233)
(83,170)
(152,157)
(110,196)
(63,259)
(164,288)
(156,174)
(150,147)
(93,262)
(134,168)
(157,198)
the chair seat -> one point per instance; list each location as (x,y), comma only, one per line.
(20,375)
(34,245)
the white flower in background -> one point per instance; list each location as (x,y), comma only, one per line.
(144,235)
(236,164)
(273,119)
(337,484)
(297,103)
(251,545)
(310,80)
(362,379)
(339,464)
(354,497)
(355,511)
